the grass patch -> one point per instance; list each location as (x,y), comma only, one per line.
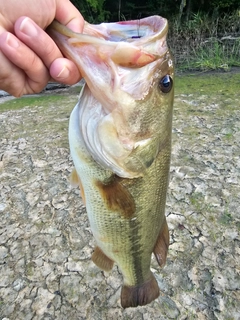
(208,84)
(206,42)
(31,101)
(222,83)
(225,218)
(228,136)
(197,201)
(212,55)
(216,56)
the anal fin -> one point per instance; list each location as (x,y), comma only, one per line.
(162,244)
(101,260)
(140,295)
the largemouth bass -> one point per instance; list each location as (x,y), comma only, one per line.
(120,142)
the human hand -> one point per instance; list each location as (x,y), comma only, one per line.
(29,58)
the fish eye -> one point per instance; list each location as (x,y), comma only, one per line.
(166,84)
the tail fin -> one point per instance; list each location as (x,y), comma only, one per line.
(140,295)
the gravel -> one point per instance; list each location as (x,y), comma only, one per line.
(45,239)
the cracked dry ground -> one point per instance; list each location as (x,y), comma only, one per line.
(46,242)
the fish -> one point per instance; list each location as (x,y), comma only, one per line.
(120,143)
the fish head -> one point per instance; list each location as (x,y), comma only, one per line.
(126,106)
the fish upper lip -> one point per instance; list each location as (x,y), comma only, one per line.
(153,28)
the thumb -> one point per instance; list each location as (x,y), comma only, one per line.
(68,15)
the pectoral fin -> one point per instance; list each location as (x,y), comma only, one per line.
(101,260)
(161,246)
(74,180)
(117,197)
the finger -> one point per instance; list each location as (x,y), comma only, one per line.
(64,70)
(44,47)
(10,77)
(37,39)
(22,71)
(67,14)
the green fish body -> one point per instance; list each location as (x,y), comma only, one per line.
(120,142)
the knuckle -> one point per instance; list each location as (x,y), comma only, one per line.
(34,62)
(10,83)
(50,49)
(47,50)
(10,86)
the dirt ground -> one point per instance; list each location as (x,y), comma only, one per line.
(45,239)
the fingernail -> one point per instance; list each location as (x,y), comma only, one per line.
(12,41)
(64,73)
(28,28)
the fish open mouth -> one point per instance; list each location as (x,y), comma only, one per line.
(133,30)
(129,31)
(104,54)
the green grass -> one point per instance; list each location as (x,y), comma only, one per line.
(208,84)
(216,56)
(211,56)
(31,101)
(203,42)
(225,218)
(197,201)
(224,84)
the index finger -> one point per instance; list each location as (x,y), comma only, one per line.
(37,39)
(45,48)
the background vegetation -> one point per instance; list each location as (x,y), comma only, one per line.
(203,35)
